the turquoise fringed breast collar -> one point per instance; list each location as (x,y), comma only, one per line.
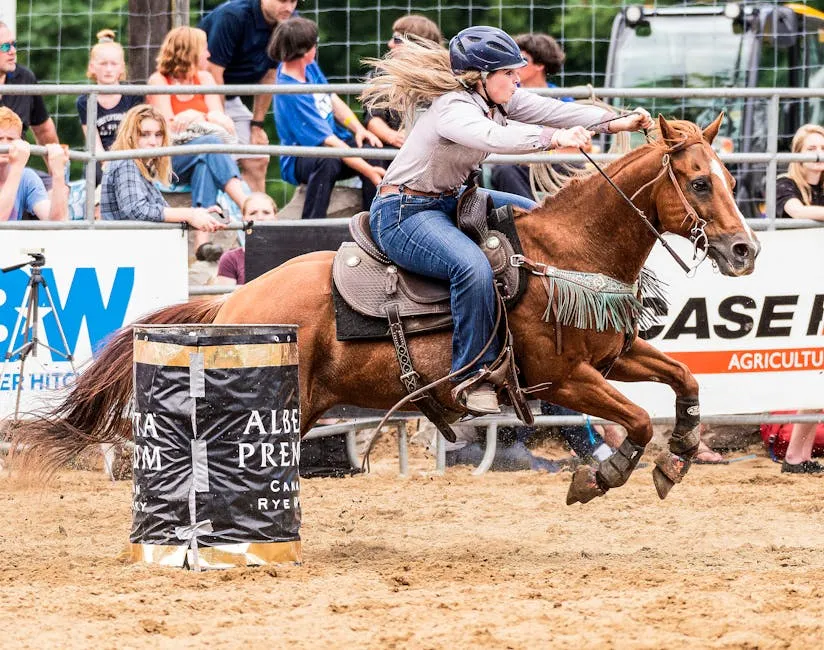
(594,300)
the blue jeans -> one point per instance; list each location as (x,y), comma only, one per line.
(205,172)
(419,234)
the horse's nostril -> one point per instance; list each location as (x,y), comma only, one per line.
(742,250)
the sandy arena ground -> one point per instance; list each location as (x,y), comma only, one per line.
(732,559)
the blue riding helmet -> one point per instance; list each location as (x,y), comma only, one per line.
(484,48)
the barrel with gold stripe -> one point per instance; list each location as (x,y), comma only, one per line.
(216,428)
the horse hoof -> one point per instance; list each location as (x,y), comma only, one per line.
(663,483)
(584,487)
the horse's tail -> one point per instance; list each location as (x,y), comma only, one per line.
(98,406)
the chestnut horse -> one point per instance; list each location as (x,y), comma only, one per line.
(585,227)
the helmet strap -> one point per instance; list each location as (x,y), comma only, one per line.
(485,95)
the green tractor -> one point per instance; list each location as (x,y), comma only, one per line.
(746,45)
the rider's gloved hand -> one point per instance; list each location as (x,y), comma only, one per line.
(638,119)
(577,136)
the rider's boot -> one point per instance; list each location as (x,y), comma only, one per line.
(482,398)
(477,395)
(671,466)
(589,482)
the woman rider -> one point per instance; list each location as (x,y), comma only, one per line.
(473,108)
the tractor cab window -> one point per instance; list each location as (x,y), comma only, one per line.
(684,51)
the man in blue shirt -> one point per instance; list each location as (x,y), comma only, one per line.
(238,33)
(320,119)
(21,190)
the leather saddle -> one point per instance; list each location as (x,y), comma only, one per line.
(369,284)
(374,298)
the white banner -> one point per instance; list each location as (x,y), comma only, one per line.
(754,343)
(98,281)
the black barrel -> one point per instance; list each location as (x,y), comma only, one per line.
(216,427)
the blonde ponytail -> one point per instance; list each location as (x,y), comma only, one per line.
(412,76)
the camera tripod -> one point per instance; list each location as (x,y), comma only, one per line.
(29,310)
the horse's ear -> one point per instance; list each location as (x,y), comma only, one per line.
(668,134)
(712,130)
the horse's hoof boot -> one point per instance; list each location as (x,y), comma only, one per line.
(663,484)
(584,486)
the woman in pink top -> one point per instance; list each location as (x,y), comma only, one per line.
(182,61)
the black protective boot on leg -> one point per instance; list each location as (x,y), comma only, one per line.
(588,482)
(671,466)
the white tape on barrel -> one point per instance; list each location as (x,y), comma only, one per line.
(197,376)
(190,532)
(200,466)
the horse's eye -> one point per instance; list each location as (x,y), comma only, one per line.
(700,185)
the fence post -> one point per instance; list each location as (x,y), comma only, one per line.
(440,453)
(772,148)
(403,448)
(91,147)
(491,448)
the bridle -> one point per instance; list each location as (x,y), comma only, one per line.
(698,236)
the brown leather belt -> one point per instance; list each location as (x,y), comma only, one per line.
(398,189)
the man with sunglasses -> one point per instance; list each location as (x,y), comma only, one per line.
(30,108)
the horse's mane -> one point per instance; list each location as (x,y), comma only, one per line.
(685,130)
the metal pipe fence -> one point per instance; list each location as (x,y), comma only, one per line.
(493,423)
(771,157)
(351,427)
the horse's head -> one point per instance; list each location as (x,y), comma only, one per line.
(697,201)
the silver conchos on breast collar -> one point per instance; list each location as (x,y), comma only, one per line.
(591,300)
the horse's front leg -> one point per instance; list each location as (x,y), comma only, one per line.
(644,363)
(586,390)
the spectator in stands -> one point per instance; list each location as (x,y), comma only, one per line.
(107,66)
(799,456)
(128,189)
(387,124)
(799,193)
(182,60)
(238,34)
(21,190)
(196,119)
(231,269)
(30,108)
(544,57)
(320,119)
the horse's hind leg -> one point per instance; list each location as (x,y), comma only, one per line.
(587,391)
(644,363)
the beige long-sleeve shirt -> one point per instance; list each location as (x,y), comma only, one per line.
(454,136)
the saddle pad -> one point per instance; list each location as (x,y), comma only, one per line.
(368,286)
(352,326)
